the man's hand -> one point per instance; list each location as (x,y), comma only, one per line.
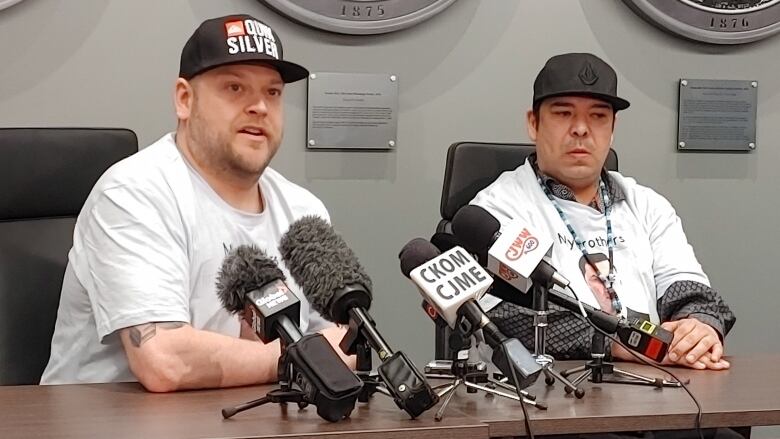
(695,345)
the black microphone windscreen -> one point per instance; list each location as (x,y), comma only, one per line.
(475,227)
(415,253)
(244,269)
(445,241)
(506,292)
(321,263)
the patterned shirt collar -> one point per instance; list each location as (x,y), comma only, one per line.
(563,192)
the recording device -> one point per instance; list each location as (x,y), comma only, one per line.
(252,285)
(452,282)
(337,287)
(519,257)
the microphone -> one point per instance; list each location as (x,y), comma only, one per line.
(513,252)
(520,257)
(250,283)
(444,241)
(337,287)
(447,342)
(451,282)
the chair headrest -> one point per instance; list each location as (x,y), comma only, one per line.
(49,172)
(472,166)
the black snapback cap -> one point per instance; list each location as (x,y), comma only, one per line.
(235,39)
(581,74)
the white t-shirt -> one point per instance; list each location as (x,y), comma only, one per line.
(147,247)
(651,251)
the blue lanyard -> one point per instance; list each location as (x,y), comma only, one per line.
(609,279)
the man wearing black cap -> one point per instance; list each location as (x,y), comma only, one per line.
(564,191)
(139,300)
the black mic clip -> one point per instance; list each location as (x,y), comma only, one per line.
(354,343)
(308,375)
(332,388)
(409,388)
(397,376)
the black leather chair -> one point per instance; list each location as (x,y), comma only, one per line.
(45,176)
(470,167)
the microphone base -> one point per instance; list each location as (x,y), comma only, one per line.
(599,371)
(310,372)
(333,412)
(540,307)
(551,375)
(473,376)
(371,385)
(277,396)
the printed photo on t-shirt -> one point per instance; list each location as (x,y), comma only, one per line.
(588,266)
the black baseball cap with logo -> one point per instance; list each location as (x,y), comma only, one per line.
(578,74)
(236,39)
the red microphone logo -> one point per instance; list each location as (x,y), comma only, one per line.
(431,311)
(505,273)
(524,243)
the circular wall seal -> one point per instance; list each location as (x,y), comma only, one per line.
(359,17)
(712,21)
(6,3)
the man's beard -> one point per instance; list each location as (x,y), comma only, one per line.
(214,150)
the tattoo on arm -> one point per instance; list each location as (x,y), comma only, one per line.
(142,333)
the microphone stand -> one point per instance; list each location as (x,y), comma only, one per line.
(355,343)
(472,375)
(299,382)
(397,376)
(600,370)
(541,308)
(284,394)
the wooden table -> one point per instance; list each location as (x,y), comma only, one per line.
(125,410)
(746,395)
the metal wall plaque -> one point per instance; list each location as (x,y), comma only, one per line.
(359,17)
(712,21)
(352,110)
(717,115)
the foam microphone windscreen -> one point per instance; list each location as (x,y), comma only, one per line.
(322,263)
(415,253)
(445,241)
(476,228)
(244,269)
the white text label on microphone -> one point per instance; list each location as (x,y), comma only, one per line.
(453,273)
(273,295)
(450,279)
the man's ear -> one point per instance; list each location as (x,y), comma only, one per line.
(183,98)
(531,124)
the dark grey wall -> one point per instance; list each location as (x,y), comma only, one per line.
(464,75)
